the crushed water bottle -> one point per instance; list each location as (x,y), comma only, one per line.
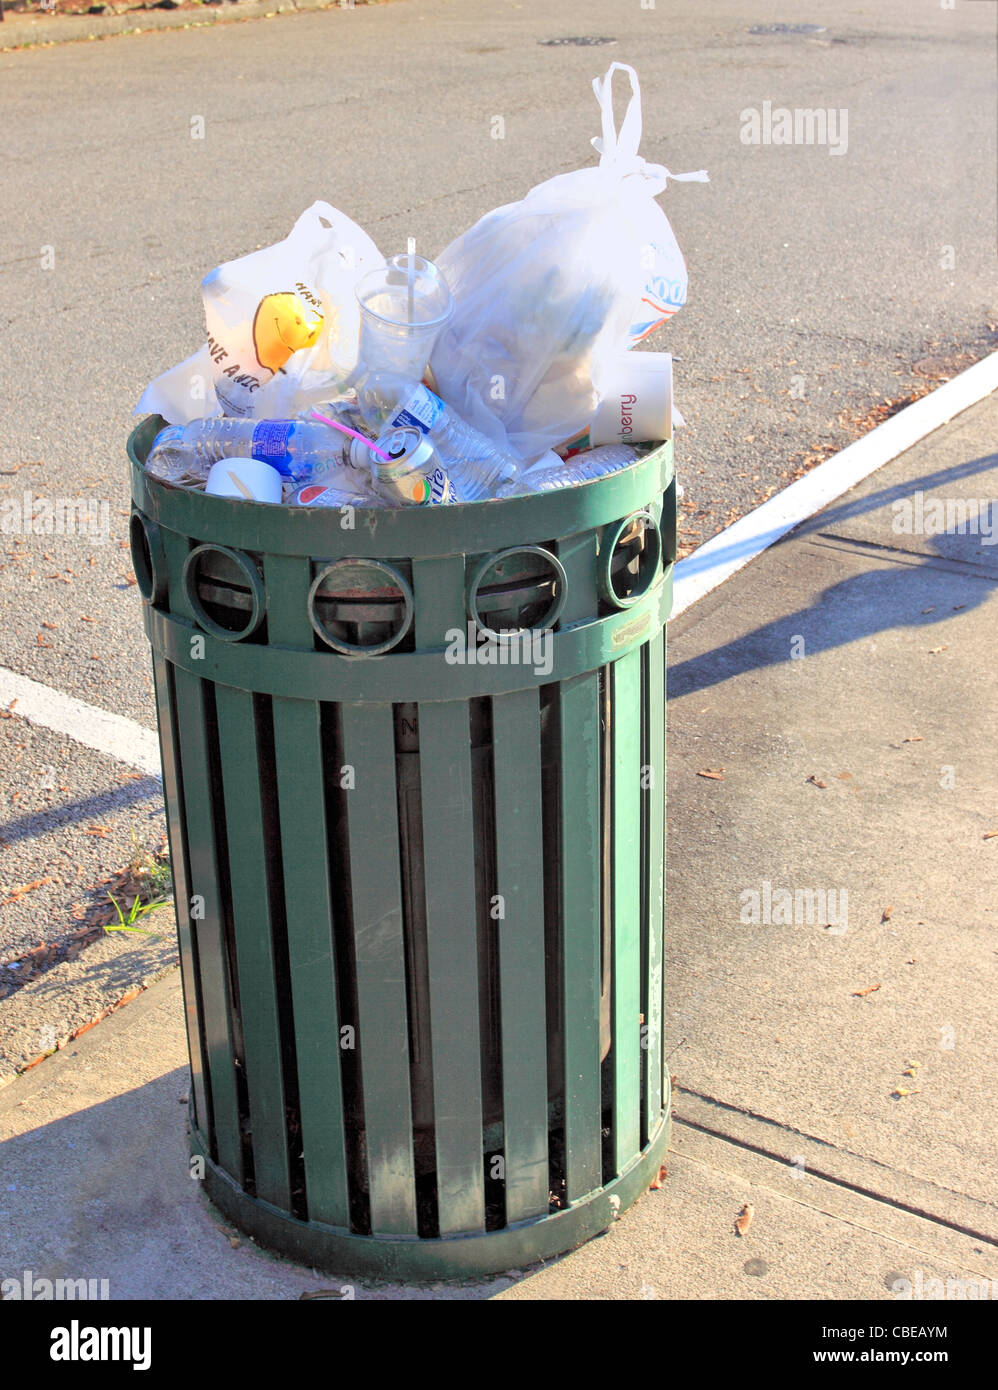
(296,448)
(551,472)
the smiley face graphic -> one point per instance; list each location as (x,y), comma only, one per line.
(284,324)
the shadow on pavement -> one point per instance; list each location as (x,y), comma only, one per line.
(856,608)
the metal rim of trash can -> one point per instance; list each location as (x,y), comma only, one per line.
(457,1256)
(415,532)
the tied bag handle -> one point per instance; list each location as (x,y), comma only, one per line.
(619,151)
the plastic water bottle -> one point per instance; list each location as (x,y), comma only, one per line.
(476,466)
(551,472)
(296,448)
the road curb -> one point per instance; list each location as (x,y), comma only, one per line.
(19,32)
(731,549)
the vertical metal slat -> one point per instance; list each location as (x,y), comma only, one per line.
(655,859)
(204,886)
(308,910)
(580,889)
(626,790)
(452,953)
(172,775)
(520,884)
(382,1026)
(248,849)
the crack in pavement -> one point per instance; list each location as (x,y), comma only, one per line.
(707,1115)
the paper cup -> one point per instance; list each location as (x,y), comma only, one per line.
(260,482)
(635,405)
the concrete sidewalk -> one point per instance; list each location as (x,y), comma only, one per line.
(835,1062)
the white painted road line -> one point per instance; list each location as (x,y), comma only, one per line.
(724,554)
(95,728)
(710,565)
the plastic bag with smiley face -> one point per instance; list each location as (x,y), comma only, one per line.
(282,326)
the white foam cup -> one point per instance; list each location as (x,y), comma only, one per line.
(260,482)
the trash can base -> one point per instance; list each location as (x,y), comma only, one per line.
(414,1258)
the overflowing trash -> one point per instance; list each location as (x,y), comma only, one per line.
(335,377)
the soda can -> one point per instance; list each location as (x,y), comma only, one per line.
(411,475)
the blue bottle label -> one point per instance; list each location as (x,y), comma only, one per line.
(270,444)
(423,409)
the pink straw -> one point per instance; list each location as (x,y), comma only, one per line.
(354,434)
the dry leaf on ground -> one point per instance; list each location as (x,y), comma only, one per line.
(25,888)
(744,1219)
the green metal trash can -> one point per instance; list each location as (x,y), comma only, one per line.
(419,869)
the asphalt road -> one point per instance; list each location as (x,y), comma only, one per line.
(817,280)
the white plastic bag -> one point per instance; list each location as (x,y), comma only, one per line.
(282,325)
(585,266)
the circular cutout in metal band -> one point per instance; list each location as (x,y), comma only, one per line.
(148,557)
(350,596)
(630,559)
(519,589)
(225,591)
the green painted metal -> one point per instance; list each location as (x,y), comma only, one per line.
(625,704)
(382,1030)
(452,951)
(204,881)
(249,852)
(298,755)
(173,797)
(578,555)
(519,925)
(437,588)
(289,579)
(654,794)
(579,735)
(424,882)
(398,677)
(343,1252)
